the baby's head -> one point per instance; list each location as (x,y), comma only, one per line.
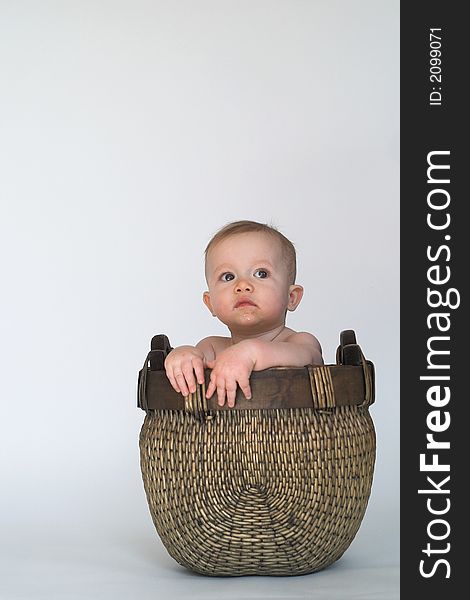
(274,237)
(250,271)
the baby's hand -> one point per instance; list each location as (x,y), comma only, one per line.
(181,365)
(232,366)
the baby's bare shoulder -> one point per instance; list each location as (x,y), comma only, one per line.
(302,337)
(309,341)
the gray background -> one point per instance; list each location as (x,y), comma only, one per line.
(130,132)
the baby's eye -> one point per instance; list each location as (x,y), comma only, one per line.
(260,273)
(227,276)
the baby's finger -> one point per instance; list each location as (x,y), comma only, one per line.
(188,373)
(199,370)
(231,397)
(221,394)
(245,388)
(210,388)
(182,383)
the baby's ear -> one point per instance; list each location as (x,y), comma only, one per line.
(295,296)
(207,301)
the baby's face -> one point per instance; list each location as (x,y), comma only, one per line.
(249,287)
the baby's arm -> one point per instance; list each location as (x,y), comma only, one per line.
(234,365)
(298,350)
(185,365)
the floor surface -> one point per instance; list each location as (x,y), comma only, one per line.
(102,569)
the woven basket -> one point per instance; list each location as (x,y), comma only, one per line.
(260,491)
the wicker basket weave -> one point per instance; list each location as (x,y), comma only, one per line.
(279,491)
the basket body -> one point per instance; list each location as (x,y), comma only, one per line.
(258,492)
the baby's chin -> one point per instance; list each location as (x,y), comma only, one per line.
(241,319)
(249,323)
(246,314)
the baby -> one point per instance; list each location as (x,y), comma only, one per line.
(250,273)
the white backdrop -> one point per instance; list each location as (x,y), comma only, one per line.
(130,132)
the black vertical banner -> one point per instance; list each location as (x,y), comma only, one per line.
(435,247)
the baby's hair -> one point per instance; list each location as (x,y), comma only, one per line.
(236,227)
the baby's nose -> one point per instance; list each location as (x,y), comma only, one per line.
(243,286)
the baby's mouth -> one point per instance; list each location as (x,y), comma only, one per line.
(243,303)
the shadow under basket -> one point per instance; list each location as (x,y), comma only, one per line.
(277,485)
